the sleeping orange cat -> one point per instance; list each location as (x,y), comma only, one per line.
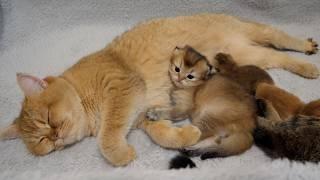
(107,93)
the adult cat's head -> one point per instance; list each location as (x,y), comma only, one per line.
(51,116)
(188,68)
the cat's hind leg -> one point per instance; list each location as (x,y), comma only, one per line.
(270,36)
(267,58)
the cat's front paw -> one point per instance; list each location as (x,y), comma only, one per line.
(311,47)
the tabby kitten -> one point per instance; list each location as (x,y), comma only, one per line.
(296,139)
(288,127)
(107,92)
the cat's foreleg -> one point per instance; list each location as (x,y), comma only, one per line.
(179,109)
(170,113)
(121,108)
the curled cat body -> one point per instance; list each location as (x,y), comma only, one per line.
(220,107)
(106,93)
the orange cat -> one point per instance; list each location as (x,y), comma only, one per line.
(107,92)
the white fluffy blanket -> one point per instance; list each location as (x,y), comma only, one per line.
(45,37)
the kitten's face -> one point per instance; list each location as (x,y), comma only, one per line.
(51,115)
(188,68)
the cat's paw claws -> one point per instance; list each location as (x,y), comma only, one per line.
(311,47)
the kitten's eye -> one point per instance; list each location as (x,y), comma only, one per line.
(190,76)
(177,69)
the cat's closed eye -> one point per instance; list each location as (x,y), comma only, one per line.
(41,139)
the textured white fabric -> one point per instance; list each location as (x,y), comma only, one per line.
(43,37)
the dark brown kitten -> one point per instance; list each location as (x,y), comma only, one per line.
(248,76)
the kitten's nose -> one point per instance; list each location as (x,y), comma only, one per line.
(179,79)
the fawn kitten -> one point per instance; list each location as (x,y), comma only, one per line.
(289,127)
(221,108)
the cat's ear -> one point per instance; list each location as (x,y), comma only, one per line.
(211,71)
(31,85)
(10,132)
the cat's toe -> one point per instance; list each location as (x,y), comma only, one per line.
(311,47)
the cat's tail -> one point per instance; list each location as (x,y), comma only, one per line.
(181,161)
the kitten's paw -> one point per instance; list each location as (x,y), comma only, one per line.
(152,114)
(190,134)
(155,113)
(311,47)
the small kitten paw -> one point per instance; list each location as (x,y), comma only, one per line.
(153,114)
(311,47)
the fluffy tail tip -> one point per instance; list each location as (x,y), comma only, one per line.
(181,161)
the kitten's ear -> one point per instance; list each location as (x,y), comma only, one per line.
(10,132)
(211,71)
(31,85)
